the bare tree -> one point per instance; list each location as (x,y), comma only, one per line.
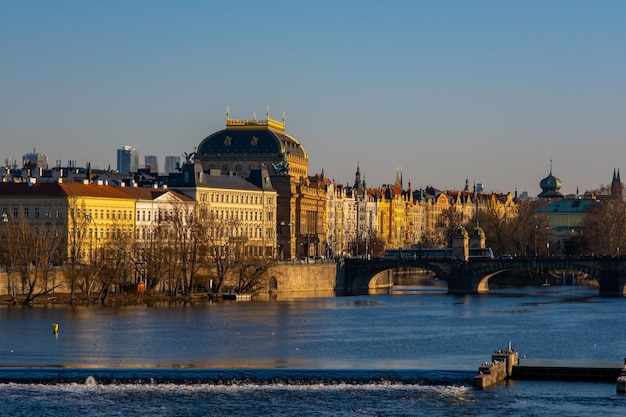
(447,223)
(604,228)
(188,243)
(117,264)
(153,254)
(376,245)
(252,275)
(29,258)
(225,245)
(78,222)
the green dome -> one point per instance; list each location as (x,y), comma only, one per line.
(550,186)
(250,141)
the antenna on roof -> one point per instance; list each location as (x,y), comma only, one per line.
(227,112)
(267,112)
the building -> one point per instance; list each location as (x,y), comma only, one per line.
(152,163)
(550,186)
(564,218)
(127,160)
(617,188)
(172,163)
(85,217)
(247,145)
(154,210)
(246,206)
(35,159)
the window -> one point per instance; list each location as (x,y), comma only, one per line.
(36,212)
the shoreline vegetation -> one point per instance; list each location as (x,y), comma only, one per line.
(118,300)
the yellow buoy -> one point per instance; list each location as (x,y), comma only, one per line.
(55,327)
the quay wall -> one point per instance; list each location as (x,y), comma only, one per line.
(291,278)
(284,278)
(55,279)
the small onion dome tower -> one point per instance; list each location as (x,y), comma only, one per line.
(550,186)
(460,244)
(477,239)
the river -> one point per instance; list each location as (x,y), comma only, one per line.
(410,353)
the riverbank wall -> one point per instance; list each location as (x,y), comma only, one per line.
(286,278)
(293,278)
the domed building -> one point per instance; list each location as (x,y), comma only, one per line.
(248,145)
(550,186)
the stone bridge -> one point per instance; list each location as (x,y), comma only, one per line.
(473,277)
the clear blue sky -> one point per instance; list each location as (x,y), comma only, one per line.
(448,90)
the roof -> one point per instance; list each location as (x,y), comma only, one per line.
(251,137)
(193,176)
(230,182)
(145,193)
(569,205)
(56,189)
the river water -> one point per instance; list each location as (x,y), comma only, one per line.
(410,353)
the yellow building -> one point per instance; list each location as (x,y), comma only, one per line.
(85,216)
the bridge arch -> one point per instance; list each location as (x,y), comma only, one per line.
(473,277)
(361,276)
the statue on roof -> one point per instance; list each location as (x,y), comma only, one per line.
(282,168)
(189,157)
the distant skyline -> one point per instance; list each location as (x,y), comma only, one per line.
(490,91)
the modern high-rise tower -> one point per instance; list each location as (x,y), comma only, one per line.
(171,162)
(40,160)
(127,160)
(152,162)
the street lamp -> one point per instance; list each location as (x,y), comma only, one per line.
(281,251)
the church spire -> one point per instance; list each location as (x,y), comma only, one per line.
(617,188)
(399,176)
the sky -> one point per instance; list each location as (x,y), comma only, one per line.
(495,92)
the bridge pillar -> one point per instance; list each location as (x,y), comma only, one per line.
(612,283)
(460,244)
(460,280)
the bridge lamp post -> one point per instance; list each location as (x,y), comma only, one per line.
(548,240)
